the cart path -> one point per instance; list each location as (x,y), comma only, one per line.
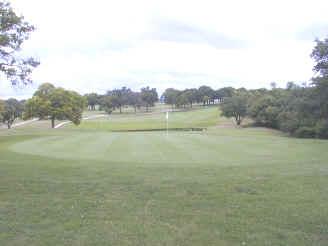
(20,123)
(85,118)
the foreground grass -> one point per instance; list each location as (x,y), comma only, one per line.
(218,187)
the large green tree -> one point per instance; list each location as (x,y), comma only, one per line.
(170,96)
(119,97)
(106,104)
(14,30)
(135,100)
(236,107)
(149,96)
(182,100)
(11,110)
(2,108)
(320,56)
(56,104)
(93,99)
(205,94)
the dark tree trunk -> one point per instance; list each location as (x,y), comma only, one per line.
(53,122)
(120,109)
(238,120)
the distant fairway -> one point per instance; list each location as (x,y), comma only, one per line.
(224,186)
(155,120)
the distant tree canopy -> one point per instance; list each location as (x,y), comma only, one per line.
(120,98)
(93,99)
(55,104)
(13,32)
(204,94)
(170,96)
(135,100)
(107,104)
(10,110)
(149,96)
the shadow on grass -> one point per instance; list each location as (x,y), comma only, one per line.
(161,129)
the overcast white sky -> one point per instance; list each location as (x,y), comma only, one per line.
(93,46)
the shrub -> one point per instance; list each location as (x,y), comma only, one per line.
(305,132)
(108,110)
(264,111)
(288,122)
(321,129)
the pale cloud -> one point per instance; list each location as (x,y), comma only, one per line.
(314,31)
(101,45)
(177,31)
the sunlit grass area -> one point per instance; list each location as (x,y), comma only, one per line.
(224,186)
(185,119)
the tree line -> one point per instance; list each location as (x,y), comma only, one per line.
(204,94)
(119,98)
(52,103)
(300,110)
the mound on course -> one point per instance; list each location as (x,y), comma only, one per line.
(88,185)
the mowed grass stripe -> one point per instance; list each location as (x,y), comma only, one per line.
(173,149)
(146,147)
(184,148)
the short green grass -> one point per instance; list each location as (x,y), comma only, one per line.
(156,120)
(223,186)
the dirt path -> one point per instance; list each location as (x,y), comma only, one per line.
(20,123)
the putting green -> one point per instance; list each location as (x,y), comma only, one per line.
(179,148)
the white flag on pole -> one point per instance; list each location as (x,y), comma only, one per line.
(167,115)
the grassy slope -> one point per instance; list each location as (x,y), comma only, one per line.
(194,118)
(220,187)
